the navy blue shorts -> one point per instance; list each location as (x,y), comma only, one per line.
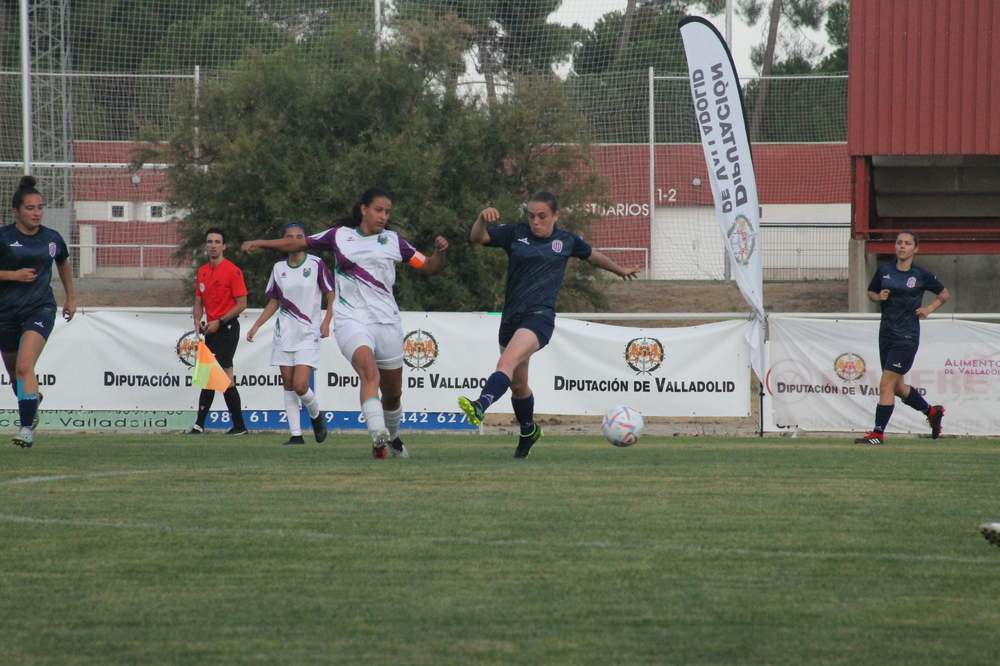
(540,323)
(897,356)
(223,342)
(40,321)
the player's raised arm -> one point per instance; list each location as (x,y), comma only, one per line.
(434,263)
(478,233)
(286,245)
(602,260)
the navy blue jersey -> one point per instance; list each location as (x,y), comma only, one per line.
(906,294)
(17,250)
(535,266)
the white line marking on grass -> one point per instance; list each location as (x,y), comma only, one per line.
(63,477)
(308,534)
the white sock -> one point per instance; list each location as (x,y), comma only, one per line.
(292,412)
(310,402)
(392,419)
(374,417)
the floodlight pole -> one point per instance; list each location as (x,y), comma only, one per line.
(729,24)
(197,134)
(26,137)
(652,164)
(727,266)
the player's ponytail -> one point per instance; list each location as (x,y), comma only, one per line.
(353,219)
(24,188)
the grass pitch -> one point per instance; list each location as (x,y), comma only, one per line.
(194,550)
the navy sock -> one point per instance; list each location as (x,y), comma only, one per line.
(204,406)
(916,401)
(235,405)
(496,386)
(27,407)
(882,415)
(524,412)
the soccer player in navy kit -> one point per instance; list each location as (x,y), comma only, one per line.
(537,254)
(27,304)
(899,287)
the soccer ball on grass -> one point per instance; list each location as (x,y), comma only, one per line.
(622,425)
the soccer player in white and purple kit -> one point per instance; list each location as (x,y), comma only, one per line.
(296,290)
(899,286)
(367,323)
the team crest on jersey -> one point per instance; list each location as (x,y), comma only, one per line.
(557,246)
(306,272)
(382,240)
(742,239)
(849,366)
(644,354)
(911,282)
(420,349)
(187,348)
(52,250)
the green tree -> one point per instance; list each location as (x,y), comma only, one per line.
(156,37)
(837,28)
(298,135)
(610,72)
(800,109)
(508,37)
(795,14)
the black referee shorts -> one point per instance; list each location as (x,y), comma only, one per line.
(223,342)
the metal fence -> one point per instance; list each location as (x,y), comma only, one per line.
(806,251)
(83,87)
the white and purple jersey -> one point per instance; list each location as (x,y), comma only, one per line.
(365,272)
(299,291)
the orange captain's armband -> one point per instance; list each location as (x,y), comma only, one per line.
(417,260)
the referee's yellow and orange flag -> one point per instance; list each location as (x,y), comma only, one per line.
(208,374)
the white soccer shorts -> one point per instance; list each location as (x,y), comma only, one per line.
(385,341)
(291,359)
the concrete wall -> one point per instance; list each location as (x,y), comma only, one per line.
(973,280)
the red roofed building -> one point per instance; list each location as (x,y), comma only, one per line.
(924,140)
(116,207)
(797,183)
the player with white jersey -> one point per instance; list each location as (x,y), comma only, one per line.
(367,324)
(296,290)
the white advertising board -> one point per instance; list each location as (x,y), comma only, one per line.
(111,359)
(824,376)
